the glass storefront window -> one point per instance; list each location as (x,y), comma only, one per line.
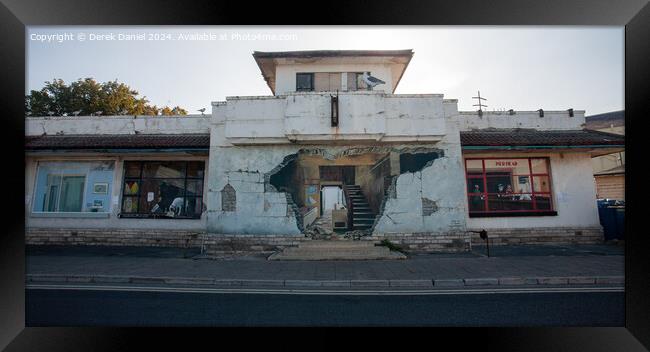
(163,189)
(508,186)
(73,187)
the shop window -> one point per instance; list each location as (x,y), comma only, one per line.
(509,187)
(163,189)
(73,187)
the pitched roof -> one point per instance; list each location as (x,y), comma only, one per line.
(531,137)
(605,120)
(114,141)
(331,53)
(617,170)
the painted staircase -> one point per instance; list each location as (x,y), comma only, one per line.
(336,250)
(362,217)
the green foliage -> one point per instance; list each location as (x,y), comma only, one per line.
(88,97)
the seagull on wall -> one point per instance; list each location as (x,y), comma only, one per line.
(202,110)
(371,81)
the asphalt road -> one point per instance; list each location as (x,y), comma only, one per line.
(53,307)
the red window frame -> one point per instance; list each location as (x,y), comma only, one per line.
(533,193)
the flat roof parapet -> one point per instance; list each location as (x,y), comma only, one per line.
(83,117)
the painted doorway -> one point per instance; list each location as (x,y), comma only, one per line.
(331,197)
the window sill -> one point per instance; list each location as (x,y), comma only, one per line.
(154,217)
(497,214)
(84,215)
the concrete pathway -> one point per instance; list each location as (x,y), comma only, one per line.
(87,264)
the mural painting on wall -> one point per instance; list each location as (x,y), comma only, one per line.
(311,195)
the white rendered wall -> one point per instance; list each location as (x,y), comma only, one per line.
(285,75)
(552,120)
(307,117)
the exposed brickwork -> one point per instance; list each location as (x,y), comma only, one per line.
(550,235)
(228,198)
(428,207)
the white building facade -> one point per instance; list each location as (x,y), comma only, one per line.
(411,167)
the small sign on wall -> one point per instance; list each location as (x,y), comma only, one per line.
(100,188)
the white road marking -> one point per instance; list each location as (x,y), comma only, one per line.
(477,291)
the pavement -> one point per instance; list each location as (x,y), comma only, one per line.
(508,266)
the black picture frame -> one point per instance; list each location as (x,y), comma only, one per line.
(634,14)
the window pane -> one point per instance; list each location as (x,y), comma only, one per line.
(129,204)
(72,193)
(476,202)
(499,183)
(541,184)
(522,184)
(510,202)
(71,186)
(51,196)
(194,207)
(132,169)
(543,202)
(540,166)
(304,81)
(131,187)
(474,185)
(194,188)
(164,169)
(513,166)
(474,166)
(158,195)
(361,84)
(195,169)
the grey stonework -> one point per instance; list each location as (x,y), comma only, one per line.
(229,243)
(549,235)
(212,243)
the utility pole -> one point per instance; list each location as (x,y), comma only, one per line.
(480,104)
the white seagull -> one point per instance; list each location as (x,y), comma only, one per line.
(371,81)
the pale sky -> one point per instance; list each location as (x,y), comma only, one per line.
(521,68)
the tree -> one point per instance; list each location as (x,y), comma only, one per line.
(88,97)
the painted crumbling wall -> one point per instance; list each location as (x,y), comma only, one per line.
(430,200)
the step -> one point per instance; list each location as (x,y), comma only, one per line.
(331,253)
(335,244)
(359,221)
(347,251)
(389,256)
(361,226)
